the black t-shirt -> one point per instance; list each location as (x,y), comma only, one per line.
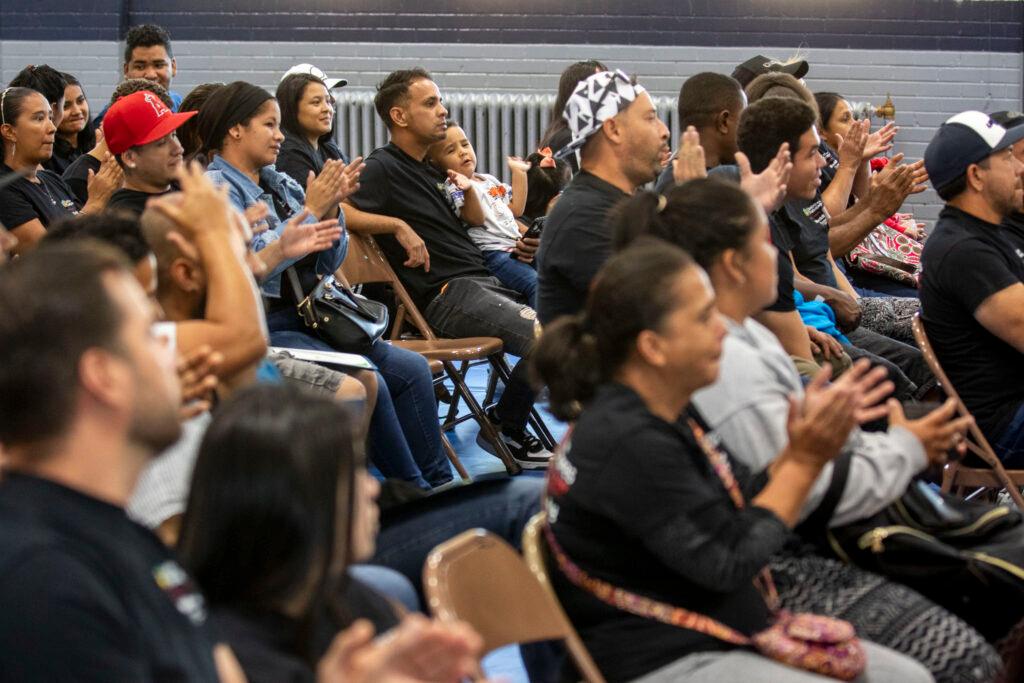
(77,176)
(1013,231)
(965,260)
(666,181)
(394,184)
(267,645)
(23,200)
(63,155)
(133,201)
(297,158)
(576,242)
(810,253)
(634,502)
(828,172)
(89,595)
(785,235)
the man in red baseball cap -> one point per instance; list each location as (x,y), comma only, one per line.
(139,130)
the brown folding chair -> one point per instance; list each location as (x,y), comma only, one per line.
(437,368)
(995,476)
(478,578)
(366,263)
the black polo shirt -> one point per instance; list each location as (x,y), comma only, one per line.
(634,501)
(47,200)
(966,260)
(576,242)
(394,184)
(810,253)
(89,595)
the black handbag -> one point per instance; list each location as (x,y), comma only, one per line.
(966,556)
(345,320)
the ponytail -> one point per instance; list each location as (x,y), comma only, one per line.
(566,360)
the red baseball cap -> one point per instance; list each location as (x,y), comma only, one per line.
(138,119)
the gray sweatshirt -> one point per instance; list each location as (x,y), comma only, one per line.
(748,406)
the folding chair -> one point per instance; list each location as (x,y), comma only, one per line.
(995,476)
(366,264)
(478,578)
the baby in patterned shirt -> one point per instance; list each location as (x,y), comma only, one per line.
(489,208)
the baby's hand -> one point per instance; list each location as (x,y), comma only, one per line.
(458,180)
(518,164)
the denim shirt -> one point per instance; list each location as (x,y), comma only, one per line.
(243,193)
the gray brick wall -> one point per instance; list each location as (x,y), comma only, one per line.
(927,87)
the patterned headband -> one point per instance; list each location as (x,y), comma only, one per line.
(595,100)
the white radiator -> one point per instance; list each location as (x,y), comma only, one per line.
(498,125)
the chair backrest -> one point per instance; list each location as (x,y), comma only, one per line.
(366,264)
(533,552)
(478,578)
(976,441)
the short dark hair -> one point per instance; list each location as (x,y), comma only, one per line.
(290,92)
(768,123)
(131,86)
(274,467)
(780,84)
(146,35)
(46,324)
(43,79)
(395,88)
(115,228)
(704,96)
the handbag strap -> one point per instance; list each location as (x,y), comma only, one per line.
(643,606)
(293,278)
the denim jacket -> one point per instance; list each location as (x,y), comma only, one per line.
(243,193)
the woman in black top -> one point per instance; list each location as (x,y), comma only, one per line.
(642,497)
(307,121)
(29,204)
(280,505)
(76,134)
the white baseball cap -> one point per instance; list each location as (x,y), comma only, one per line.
(311,70)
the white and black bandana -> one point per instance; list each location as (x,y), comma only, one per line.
(594,101)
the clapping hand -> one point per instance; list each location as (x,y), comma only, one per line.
(689,162)
(768,187)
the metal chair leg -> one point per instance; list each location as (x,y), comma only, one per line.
(488,430)
(453,458)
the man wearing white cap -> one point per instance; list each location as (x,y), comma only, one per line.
(622,144)
(972,296)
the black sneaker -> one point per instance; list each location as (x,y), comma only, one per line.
(526,449)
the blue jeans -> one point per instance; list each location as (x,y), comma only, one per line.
(404,437)
(1010,444)
(513,274)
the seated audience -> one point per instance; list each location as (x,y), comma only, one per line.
(140,132)
(626,368)
(239,126)
(30,203)
(81,169)
(280,508)
(399,200)
(971,290)
(307,121)
(88,396)
(623,146)
(557,135)
(76,134)
(748,406)
(764,124)
(490,209)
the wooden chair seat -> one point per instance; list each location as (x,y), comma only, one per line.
(453,350)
